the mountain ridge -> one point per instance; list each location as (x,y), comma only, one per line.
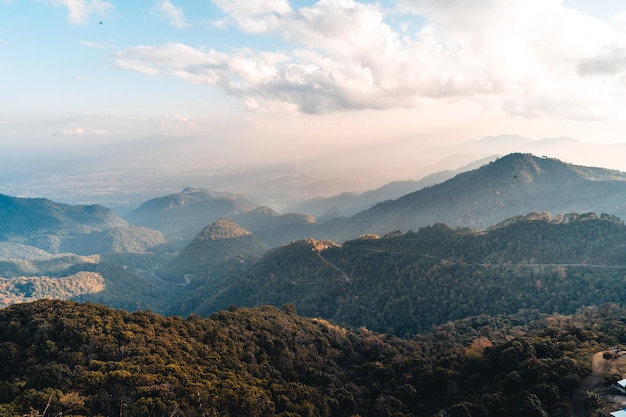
(509,186)
(403,283)
(187,212)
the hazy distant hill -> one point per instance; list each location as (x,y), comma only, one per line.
(29,226)
(186,213)
(218,243)
(273,228)
(40,215)
(40,241)
(512,185)
(407,282)
(348,204)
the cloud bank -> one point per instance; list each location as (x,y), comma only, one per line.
(531,58)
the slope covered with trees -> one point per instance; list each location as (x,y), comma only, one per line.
(84,359)
(405,283)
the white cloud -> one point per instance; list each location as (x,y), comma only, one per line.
(79,131)
(619,18)
(79,11)
(178,122)
(75,131)
(533,58)
(174,14)
(91,44)
(254,16)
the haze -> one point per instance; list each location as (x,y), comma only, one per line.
(117,101)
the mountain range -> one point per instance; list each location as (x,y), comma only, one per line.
(349,203)
(493,292)
(228,239)
(478,198)
(405,283)
(512,185)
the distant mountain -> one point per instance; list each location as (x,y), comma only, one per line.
(39,215)
(183,215)
(29,226)
(273,228)
(222,242)
(511,185)
(348,204)
(186,213)
(405,283)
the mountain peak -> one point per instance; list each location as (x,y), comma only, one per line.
(223,229)
(218,244)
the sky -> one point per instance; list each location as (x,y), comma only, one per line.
(380,89)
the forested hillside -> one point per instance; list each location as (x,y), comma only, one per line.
(405,283)
(63,358)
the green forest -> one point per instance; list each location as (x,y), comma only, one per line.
(406,283)
(439,322)
(71,359)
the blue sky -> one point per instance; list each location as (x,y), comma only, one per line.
(340,85)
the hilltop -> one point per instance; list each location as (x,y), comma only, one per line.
(222,244)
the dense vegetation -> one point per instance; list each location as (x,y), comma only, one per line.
(405,283)
(85,359)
